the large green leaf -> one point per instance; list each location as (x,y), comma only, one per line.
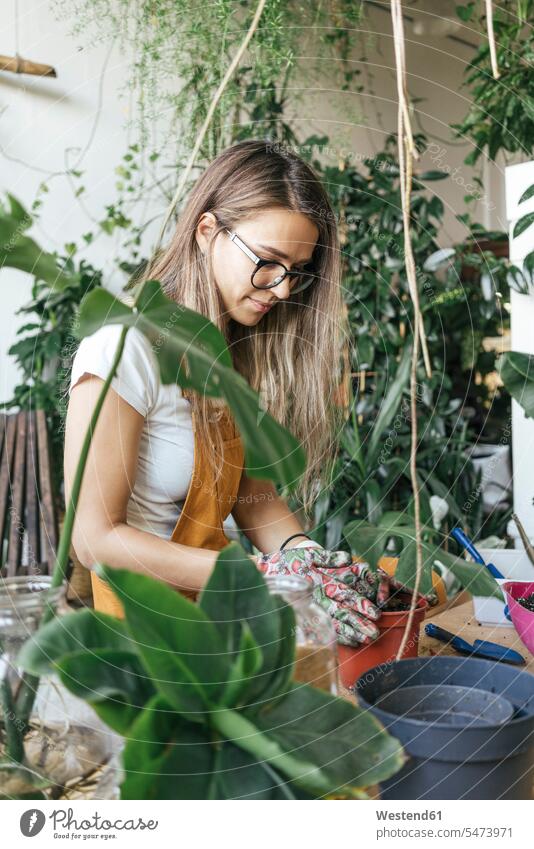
(347,744)
(406,567)
(366,541)
(246,663)
(177,642)
(517,374)
(192,352)
(242,776)
(113,682)
(19,251)
(237,592)
(167,757)
(389,407)
(85,631)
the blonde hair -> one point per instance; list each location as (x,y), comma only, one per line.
(292,357)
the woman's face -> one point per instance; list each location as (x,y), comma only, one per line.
(291,234)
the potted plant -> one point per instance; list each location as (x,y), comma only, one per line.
(371,543)
(203,693)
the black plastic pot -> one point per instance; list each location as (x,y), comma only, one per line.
(447,761)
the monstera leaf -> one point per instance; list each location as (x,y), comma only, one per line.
(19,251)
(192,352)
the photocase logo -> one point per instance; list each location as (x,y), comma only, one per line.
(32,822)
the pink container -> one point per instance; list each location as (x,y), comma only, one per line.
(522,618)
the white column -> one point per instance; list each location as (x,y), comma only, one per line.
(518,178)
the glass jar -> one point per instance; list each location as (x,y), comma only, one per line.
(316,661)
(65,745)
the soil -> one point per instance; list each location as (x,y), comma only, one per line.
(528,602)
(316,665)
(397,603)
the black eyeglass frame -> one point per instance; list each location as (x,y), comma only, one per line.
(260,262)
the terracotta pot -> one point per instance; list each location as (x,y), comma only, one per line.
(353,662)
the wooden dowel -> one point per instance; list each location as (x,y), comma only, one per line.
(25,66)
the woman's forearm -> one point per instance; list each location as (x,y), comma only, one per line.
(267,523)
(124,547)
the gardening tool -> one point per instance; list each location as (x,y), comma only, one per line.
(469,546)
(464,541)
(479,648)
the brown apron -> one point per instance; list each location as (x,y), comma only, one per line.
(207,505)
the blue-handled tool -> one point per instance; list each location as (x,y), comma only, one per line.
(469,546)
(464,541)
(479,648)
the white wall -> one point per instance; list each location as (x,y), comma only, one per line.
(80,110)
(48,125)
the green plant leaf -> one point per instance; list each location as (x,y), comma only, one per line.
(406,567)
(527,194)
(243,732)
(432,175)
(247,662)
(167,757)
(389,407)
(517,374)
(237,592)
(178,644)
(113,682)
(86,630)
(523,224)
(242,776)
(366,540)
(192,352)
(20,251)
(347,744)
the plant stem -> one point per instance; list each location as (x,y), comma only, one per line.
(14,738)
(29,683)
(244,733)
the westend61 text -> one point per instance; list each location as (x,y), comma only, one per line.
(408,815)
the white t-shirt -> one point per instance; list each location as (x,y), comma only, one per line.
(166,452)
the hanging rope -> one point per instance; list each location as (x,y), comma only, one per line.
(491,40)
(407,153)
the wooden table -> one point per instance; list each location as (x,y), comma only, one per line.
(460,620)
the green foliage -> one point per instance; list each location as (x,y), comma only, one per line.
(204,693)
(372,473)
(45,348)
(165,41)
(371,541)
(517,374)
(501,116)
(19,251)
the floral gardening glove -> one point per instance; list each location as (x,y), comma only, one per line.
(350,592)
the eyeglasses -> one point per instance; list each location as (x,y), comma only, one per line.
(269,273)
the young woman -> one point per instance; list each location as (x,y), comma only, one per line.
(256,251)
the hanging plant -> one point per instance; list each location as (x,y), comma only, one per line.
(501,117)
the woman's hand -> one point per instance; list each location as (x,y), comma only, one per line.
(350,592)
